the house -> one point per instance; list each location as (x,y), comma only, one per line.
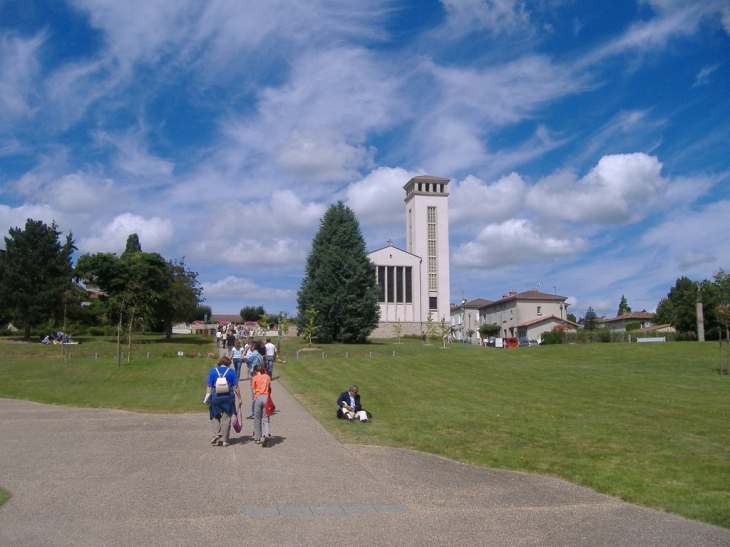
(618,324)
(465,318)
(526,315)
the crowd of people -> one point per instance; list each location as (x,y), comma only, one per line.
(223,394)
(56,338)
(225,404)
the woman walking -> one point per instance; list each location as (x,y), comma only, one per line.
(260,390)
(220,393)
(237,353)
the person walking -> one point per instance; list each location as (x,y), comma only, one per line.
(260,390)
(222,400)
(237,353)
(270,356)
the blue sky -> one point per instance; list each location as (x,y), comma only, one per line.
(587,143)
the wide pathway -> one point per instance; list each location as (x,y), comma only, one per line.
(103,478)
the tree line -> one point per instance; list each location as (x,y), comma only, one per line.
(138,291)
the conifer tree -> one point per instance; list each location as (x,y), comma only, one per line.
(339,281)
(36,273)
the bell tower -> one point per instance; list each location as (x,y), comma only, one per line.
(427,236)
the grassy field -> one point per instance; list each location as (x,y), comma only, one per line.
(649,423)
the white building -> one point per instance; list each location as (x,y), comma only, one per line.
(415,282)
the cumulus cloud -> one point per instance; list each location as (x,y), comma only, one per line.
(154,234)
(620,189)
(323,156)
(377,199)
(473,200)
(79,192)
(240,288)
(512,242)
(15,217)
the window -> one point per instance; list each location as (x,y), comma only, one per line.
(539,310)
(399,284)
(432,303)
(409,285)
(381,283)
(390,284)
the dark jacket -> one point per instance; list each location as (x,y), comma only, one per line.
(345,398)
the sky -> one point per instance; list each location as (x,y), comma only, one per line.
(587,143)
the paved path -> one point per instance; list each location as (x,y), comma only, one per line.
(101,477)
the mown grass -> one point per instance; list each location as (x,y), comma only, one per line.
(4,496)
(649,423)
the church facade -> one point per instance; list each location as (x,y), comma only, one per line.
(414,282)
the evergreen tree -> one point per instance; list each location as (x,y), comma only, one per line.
(133,245)
(36,274)
(339,281)
(252,313)
(590,319)
(623,306)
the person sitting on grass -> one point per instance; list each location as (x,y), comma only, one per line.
(349,405)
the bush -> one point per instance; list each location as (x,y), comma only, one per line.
(604,335)
(553,337)
(6,332)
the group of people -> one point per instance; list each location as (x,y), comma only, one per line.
(226,403)
(57,338)
(253,353)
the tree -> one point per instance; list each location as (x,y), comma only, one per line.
(444,331)
(309,327)
(35,274)
(133,245)
(339,281)
(623,306)
(571,317)
(180,300)
(487,331)
(679,307)
(252,313)
(590,319)
(398,330)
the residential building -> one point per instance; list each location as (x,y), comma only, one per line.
(526,315)
(465,318)
(644,318)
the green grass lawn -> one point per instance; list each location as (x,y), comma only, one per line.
(649,423)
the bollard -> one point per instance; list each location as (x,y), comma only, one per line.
(393,353)
(69,355)
(96,355)
(148,355)
(323,356)
(122,357)
(347,354)
(371,355)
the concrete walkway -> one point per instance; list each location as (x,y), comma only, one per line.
(102,477)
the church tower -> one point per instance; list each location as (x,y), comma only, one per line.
(427,236)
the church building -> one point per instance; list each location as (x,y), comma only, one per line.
(415,282)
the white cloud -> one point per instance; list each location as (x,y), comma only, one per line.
(620,189)
(15,217)
(377,199)
(240,288)
(496,15)
(79,192)
(323,156)
(689,259)
(512,242)
(18,69)
(132,157)
(154,235)
(692,238)
(473,200)
(703,77)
